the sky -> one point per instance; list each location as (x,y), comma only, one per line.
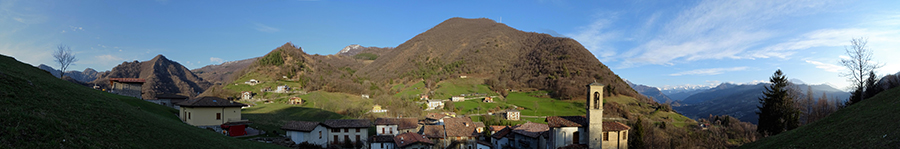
(656,43)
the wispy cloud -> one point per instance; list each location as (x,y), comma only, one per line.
(710,71)
(825,66)
(216,60)
(264,28)
(596,38)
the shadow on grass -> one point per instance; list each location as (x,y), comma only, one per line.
(273,120)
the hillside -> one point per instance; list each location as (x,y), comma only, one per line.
(871,123)
(223,73)
(42,111)
(162,75)
(651,92)
(740,101)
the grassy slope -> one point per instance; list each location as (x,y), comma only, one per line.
(272,116)
(40,111)
(872,123)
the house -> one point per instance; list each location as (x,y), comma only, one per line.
(495,128)
(327,132)
(252,82)
(457,98)
(529,135)
(479,127)
(394,126)
(304,131)
(488,99)
(412,140)
(343,130)
(378,109)
(246,95)
(213,112)
(438,118)
(169,100)
(126,86)
(423,97)
(282,88)
(483,145)
(434,104)
(463,76)
(501,138)
(460,133)
(381,142)
(365,96)
(295,100)
(511,115)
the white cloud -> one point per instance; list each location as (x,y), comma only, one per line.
(264,28)
(825,66)
(596,38)
(216,60)
(108,58)
(710,71)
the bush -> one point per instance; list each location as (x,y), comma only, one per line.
(273,58)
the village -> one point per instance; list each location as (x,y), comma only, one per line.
(434,130)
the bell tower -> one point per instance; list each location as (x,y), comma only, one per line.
(595,115)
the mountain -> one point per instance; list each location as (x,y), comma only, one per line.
(681,92)
(162,76)
(741,101)
(651,92)
(41,111)
(223,73)
(871,123)
(87,75)
(355,49)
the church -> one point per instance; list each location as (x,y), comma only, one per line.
(587,131)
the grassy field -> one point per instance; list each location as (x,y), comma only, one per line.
(409,90)
(41,111)
(871,123)
(272,116)
(455,87)
(543,106)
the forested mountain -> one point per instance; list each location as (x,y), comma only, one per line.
(651,92)
(740,101)
(162,76)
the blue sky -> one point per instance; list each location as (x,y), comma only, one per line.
(658,43)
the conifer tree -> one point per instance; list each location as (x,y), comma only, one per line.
(776,111)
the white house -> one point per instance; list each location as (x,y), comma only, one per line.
(394,126)
(303,131)
(330,131)
(457,98)
(381,142)
(434,104)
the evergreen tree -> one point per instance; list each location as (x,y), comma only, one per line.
(776,111)
(871,85)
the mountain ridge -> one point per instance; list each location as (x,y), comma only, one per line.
(162,76)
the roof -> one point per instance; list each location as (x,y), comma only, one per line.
(402,123)
(170,96)
(595,84)
(127,80)
(409,138)
(496,128)
(435,116)
(485,143)
(501,133)
(300,126)
(566,121)
(382,139)
(530,129)
(459,127)
(614,126)
(479,124)
(347,123)
(210,102)
(433,131)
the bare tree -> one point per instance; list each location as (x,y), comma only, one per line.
(858,65)
(65,57)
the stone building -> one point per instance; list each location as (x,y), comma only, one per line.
(126,86)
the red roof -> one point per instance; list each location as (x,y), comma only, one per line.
(127,80)
(614,126)
(409,138)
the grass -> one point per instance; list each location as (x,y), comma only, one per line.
(41,111)
(871,123)
(455,87)
(544,106)
(410,91)
(270,117)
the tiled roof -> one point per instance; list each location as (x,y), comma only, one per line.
(300,126)
(347,123)
(402,123)
(479,124)
(595,84)
(501,133)
(485,143)
(566,121)
(170,96)
(614,126)
(210,102)
(435,116)
(530,129)
(459,127)
(433,131)
(382,139)
(127,80)
(496,128)
(406,139)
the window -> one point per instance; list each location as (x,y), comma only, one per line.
(596,100)
(335,130)
(346,137)
(392,131)
(605,136)
(335,139)
(218,116)
(624,136)
(189,115)
(357,129)
(320,134)
(382,129)
(346,129)
(357,137)
(382,145)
